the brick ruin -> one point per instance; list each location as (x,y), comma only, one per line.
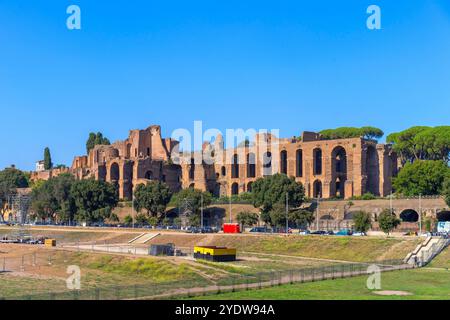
(339,168)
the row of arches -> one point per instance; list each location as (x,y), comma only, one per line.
(339,162)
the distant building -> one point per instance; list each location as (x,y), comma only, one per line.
(40,166)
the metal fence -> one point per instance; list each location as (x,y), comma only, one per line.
(42,264)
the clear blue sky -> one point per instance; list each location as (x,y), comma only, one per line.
(293,65)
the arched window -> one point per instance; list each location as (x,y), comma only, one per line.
(317,156)
(373,171)
(299,163)
(251,165)
(267,164)
(235,167)
(234,189)
(283,162)
(223,171)
(192,170)
(317,189)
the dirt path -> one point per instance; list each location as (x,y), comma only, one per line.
(300,257)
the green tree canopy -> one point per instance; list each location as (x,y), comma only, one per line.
(297,218)
(446,191)
(363,221)
(52,199)
(424,177)
(388,221)
(352,132)
(128,220)
(272,190)
(10,180)
(94,200)
(96,139)
(247,218)
(153,197)
(422,143)
(47,159)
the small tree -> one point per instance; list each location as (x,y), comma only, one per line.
(301,218)
(128,220)
(271,190)
(388,221)
(177,221)
(47,159)
(141,219)
(247,218)
(362,221)
(166,222)
(153,221)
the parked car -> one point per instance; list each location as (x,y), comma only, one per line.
(359,234)
(304,232)
(344,232)
(259,230)
(319,232)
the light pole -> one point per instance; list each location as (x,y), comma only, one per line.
(201,212)
(420,214)
(317,211)
(287,213)
(231,218)
(132,210)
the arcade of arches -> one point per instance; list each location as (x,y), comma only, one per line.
(339,168)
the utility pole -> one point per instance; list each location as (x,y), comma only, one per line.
(317,212)
(201,211)
(390,203)
(132,210)
(231,218)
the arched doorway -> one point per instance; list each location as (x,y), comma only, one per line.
(317,189)
(114,175)
(339,171)
(283,162)
(409,215)
(192,169)
(372,171)
(249,187)
(234,189)
(223,171)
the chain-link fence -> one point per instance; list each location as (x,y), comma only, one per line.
(53,263)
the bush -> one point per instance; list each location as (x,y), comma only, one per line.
(388,221)
(363,221)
